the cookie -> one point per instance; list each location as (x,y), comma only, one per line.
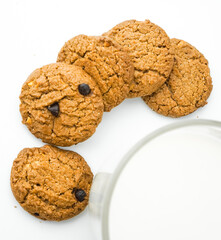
(61,104)
(105,61)
(50,183)
(150,50)
(188,86)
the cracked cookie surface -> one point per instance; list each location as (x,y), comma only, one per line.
(149,48)
(188,86)
(105,61)
(53,108)
(44,181)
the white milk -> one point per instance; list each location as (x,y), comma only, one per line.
(169,190)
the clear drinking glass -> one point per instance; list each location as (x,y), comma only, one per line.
(182,158)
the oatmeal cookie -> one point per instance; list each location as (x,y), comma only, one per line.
(188,86)
(150,50)
(61,104)
(50,183)
(105,61)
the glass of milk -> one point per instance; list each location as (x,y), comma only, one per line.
(168,187)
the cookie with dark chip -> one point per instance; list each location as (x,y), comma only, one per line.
(50,183)
(61,104)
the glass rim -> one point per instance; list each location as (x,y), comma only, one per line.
(135,148)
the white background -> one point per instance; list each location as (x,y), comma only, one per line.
(32,33)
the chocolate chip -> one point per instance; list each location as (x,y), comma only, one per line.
(36,214)
(80,194)
(74,190)
(54,109)
(84,89)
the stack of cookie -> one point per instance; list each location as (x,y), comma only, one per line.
(63,103)
(172,76)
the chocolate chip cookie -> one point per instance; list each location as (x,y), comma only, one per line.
(188,86)
(150,50)
(50,183)
(61,104)
(105,61)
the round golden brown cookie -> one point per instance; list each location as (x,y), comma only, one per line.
(188,86)
(105,61)
(50,183)
(149,47)
(61,104)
